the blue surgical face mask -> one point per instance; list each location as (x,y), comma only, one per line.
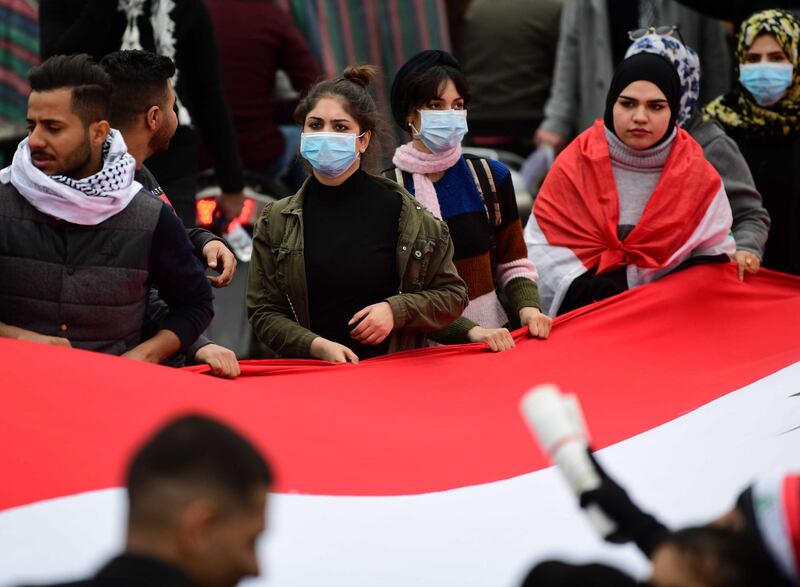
(330,153)
(767,82)
(441,130)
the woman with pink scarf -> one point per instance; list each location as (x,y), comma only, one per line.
(474,196)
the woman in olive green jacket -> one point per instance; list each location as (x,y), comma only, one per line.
(350,266)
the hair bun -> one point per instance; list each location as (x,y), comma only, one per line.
(361,75)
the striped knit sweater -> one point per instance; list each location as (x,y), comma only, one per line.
(464,211)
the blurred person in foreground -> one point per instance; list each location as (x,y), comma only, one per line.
(197,494)
(757,542)
(143,110)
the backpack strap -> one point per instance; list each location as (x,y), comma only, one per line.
(397,175)
(484,181)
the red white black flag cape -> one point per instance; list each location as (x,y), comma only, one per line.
(573,227)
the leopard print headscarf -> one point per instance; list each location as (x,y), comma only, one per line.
(737,109)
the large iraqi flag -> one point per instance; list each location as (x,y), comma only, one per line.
(416,469)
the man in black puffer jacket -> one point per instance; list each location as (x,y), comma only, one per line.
(80,240)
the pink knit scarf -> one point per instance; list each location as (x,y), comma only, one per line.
(419,164)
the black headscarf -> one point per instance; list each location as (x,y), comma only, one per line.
(419,63)
(647,67)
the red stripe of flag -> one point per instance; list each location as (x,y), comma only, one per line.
(413,422)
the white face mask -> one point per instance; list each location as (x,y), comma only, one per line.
(441,130)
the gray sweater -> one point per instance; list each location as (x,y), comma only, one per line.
(636,173)
(750,219)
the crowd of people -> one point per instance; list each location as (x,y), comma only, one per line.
(663,163)
(430,251)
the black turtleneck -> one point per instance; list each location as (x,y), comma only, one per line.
(350,234)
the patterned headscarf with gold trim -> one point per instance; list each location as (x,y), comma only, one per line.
(737,109)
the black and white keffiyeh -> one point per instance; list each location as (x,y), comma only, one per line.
(88,201)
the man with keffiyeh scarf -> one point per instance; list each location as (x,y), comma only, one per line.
(80,240)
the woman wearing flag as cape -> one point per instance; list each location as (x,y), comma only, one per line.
(630,199)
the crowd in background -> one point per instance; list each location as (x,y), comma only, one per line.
(638,99)
(671,139)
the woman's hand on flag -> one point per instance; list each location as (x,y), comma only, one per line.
(538,324)
(222,361)
(497,339)
(333,352)
(748,263)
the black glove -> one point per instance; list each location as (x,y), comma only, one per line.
(632,523)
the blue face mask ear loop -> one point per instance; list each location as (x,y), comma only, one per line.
(414,131)
(355,145)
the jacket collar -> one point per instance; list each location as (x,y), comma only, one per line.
(295,205)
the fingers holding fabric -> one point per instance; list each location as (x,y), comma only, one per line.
(747,262)
(497,339)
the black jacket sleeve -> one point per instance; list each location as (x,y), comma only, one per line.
(181,282)
(202,341)
(200,237)
(633,525)
(199,77)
